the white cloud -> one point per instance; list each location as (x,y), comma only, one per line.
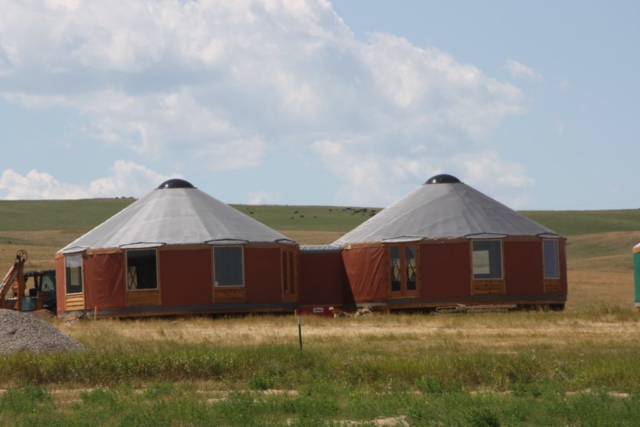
(264,197)
(564,84)
(560,128)
(127,179)
(518,69)
(374,180)
(506,181)
(217,84)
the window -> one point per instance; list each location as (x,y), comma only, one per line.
(396,278)
(73,265)
(142,272)
(487,259)
(410,265)
(228,266)
(550,259)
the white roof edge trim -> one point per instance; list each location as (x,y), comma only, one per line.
(401,239)
(74,249)
(320,248)
(141,245)
(549,235)
(287,242)
(220,242)
(227,242)
(486,236)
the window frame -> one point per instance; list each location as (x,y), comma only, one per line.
(66,274)
(126,271)
(213,256)
(473,250)
(557,260)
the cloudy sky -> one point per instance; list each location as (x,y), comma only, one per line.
(351,102)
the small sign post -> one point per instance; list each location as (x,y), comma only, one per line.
(300,332)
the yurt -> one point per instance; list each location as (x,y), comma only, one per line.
(178,250)
(446,244)
(636,269)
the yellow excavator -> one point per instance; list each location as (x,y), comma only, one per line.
(41,296)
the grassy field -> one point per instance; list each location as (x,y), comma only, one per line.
(577,367)
(523,368)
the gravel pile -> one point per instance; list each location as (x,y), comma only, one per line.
(23,332)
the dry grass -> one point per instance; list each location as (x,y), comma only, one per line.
(593,287)
(496,332)
(41,246)
(600,269)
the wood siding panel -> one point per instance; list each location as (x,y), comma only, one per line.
(229,295)
(74,302)
(142,298)
(487,287)
(553,286)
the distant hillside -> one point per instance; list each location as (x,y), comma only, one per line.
(570,223)
(41,215)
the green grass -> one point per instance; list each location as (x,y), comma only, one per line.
(424,379)
(40,215)
(308,218)
(163,404)
(44,215)
(570,223)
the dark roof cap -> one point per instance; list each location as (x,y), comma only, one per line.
(443,179)
(175,183)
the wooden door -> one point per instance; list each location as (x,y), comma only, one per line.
(404,270)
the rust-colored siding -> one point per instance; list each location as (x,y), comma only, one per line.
(445,269)
(367,272)
(523,271)
(263,277)
(186,277)
(322,278)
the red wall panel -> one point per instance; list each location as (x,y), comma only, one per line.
(263,276)
(60,285)
(322,277)
(445,270)
(367,272)
(563,266)
(104,281)
(186,277)
(523,272)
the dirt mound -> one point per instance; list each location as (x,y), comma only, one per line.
(23,332)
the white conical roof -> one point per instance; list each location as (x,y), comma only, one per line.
(175,216)
(444,209)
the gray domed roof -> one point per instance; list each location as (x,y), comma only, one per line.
(175,214)
(447,210)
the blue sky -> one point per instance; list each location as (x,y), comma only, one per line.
(354,102)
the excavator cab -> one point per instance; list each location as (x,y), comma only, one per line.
(40,290)
(31,290)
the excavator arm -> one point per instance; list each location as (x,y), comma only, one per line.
(14,276)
